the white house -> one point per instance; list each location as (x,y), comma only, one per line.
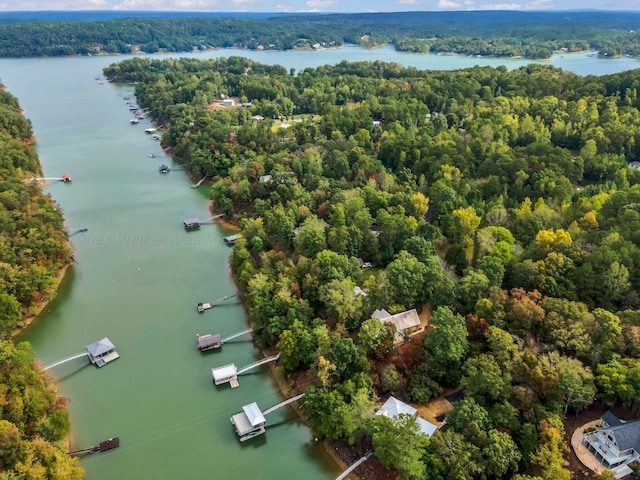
(615,444)
(228,102)
(393,408)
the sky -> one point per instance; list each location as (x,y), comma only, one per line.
(343,6)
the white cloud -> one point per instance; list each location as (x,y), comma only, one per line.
(540,5)
(448,5)
(501,6)
(283,8)
(409,2)
(168,5)
(57,5)
(319,5)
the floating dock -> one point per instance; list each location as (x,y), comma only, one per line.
(164,169)
(108,444)
(99,354)
(201,307)
(251,422)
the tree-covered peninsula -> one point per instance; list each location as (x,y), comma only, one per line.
(33,248)
(498,34)
(502,205)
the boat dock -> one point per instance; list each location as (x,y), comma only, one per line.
(251,422)
(99,353)
(102,352)
(209,342)
(201,307)
(231,239)
(101,447)
(229,373)
(164,168)
(191,223)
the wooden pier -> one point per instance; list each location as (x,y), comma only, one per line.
(229,373)
(108,444)
(196,185)
(201,307)
(251,422)
(354,465)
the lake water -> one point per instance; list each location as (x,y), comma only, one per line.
(139,276)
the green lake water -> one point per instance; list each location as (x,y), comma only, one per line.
(139,276)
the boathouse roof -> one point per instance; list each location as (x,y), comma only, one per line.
(100,347)
(225,371)
(254,414)
(207,340)
(231,239)
(191,221)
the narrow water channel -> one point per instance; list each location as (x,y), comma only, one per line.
(138,279)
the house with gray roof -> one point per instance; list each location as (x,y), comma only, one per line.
(615,444)
(405,323)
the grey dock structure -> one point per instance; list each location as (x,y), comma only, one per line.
(191,223)
(201,307)
(229,373)
(102,352)
(250,422)
(213,341)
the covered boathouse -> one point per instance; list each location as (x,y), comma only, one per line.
(101,352)
(209,342)
(250,422)
(191,223)
(225,374)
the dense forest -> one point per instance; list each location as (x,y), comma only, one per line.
(500,201)
(501,34)
(33,248)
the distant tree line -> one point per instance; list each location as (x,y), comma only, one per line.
(502,34)
(33,247)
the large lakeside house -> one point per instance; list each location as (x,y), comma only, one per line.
(614,443)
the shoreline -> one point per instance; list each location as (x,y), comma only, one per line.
(29,317)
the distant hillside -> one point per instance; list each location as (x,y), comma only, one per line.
(500,34)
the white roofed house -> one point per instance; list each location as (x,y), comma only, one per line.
(405,323)
(615,444)
(393,408)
